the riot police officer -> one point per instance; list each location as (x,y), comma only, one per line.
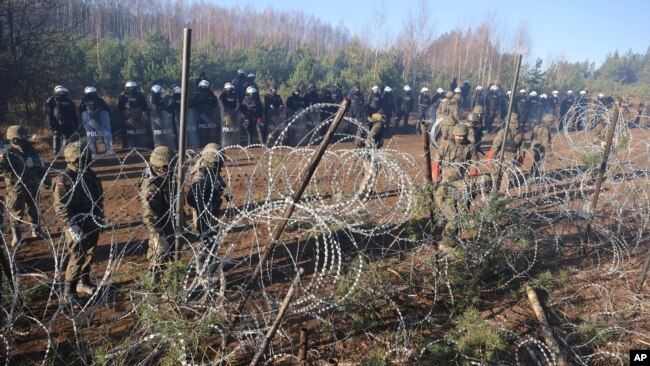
(252,111)
(61,116)
(388,104)
(133,109)
(357,105)
(239,83)
(375,102)
(273,108)
(424,102)
(94,113)
(404,106)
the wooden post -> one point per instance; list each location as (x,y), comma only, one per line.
(426,140)
(507,122)
(304,345)
(644,273)
(603,164)
(603,168)
(306,177)
(278,318)
(187,47)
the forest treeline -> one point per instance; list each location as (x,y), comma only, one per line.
(106,42)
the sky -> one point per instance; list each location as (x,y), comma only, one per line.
(574,30)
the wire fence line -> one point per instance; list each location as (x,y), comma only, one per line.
(362,234)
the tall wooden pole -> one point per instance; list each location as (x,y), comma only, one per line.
(507,122)
(187,47)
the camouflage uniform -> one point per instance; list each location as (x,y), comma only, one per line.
(512,153)
(23,171)
(452,194)
(206,193)
(374,138)
(448,111)
(156,196)
(474,132)
(79,203)
(480,112)
(540,141)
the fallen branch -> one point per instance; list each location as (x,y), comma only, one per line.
(555,349)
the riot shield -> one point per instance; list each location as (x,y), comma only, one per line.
(192,132)
(107,134)
(136,130)
(163,131)
(231,128)
(93,129)
(298,130)
(275,125)
(209,125)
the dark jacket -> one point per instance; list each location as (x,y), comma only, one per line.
(61,115)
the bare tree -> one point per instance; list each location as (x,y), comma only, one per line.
(416,36)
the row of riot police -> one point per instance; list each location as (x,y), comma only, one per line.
(78,201)
(146,121)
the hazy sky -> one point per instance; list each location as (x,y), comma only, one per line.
(573,29)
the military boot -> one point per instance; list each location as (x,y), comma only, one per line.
(16,235)
(38,233)
(85,286)
(70,294)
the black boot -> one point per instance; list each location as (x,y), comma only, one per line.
(85,286)
(70,294)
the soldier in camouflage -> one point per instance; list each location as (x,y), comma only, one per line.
(540,142)
(451,165)
(474,132)
(23,172)
(512,154)
(206,195)
(156,192)
(448,111)
(79,204)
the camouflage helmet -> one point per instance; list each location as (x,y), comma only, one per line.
(459,130)
(478,109)
(73,151)
(376,117)
(514,119)
(450,94)
(472,117)
(549,118)
(16,132)
(161,156)
(210,153)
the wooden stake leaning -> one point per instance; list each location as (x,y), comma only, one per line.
(278,318)
(279,229)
